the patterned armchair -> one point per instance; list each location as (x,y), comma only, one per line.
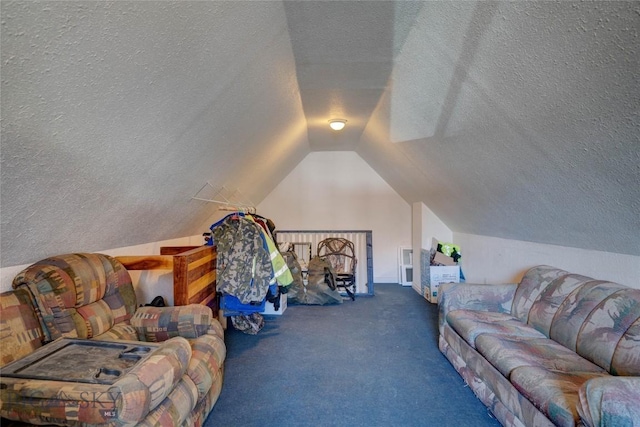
(91,297)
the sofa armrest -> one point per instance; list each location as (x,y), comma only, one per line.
(156,324)
(21,329)
(472,296)
(610,401)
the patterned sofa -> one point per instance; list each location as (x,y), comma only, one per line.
(90,296)
(555,349)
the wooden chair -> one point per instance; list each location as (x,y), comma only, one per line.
(341,254)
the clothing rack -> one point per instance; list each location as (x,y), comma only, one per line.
(236,202)
(242,209)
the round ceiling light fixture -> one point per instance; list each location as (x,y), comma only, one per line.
(337,124)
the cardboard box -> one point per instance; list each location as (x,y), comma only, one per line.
(442,259)
(439,275)
(270,311)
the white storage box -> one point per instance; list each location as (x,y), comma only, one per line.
(438,275)
(270,311)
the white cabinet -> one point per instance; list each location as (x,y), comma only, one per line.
(405,261)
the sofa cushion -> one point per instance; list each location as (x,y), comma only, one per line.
(507,354)
(121,331)
(97,318)
(554,393)
(208,354)
(469,324)
(611,328)
(19,326)
(175,408)
(155,324)
(147,385)
(532,284)
(546,306)
(574,310)
(65,283)
(626,359)
(204,406)
(489,385)
(610,401)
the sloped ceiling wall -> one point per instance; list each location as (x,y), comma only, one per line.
(517,119)
(114,114)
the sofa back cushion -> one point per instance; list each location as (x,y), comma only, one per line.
(20,332)
(532,284)
(548,302)
(626,359)
(610,334)
(575,309)
(597,319)
(79,295)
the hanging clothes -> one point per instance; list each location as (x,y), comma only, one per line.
(262,223)
(244,265)
(281,273)
(250,268)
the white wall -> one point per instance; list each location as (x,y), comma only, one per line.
(417,227)
(333,190)
(433,227)
(426,226)
(147,284)
(494,260)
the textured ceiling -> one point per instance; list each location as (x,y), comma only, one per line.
(512,119)
(518,120)
(344,54)
(114,114)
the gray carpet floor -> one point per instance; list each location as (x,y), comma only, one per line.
(369,362)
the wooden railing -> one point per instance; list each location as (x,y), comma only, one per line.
(194,272)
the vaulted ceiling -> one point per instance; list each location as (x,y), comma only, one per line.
(518,120)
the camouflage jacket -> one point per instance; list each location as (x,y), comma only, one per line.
(244,265)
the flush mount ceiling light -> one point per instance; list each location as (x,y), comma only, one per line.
(337,124)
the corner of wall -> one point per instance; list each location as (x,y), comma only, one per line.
(425,226)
